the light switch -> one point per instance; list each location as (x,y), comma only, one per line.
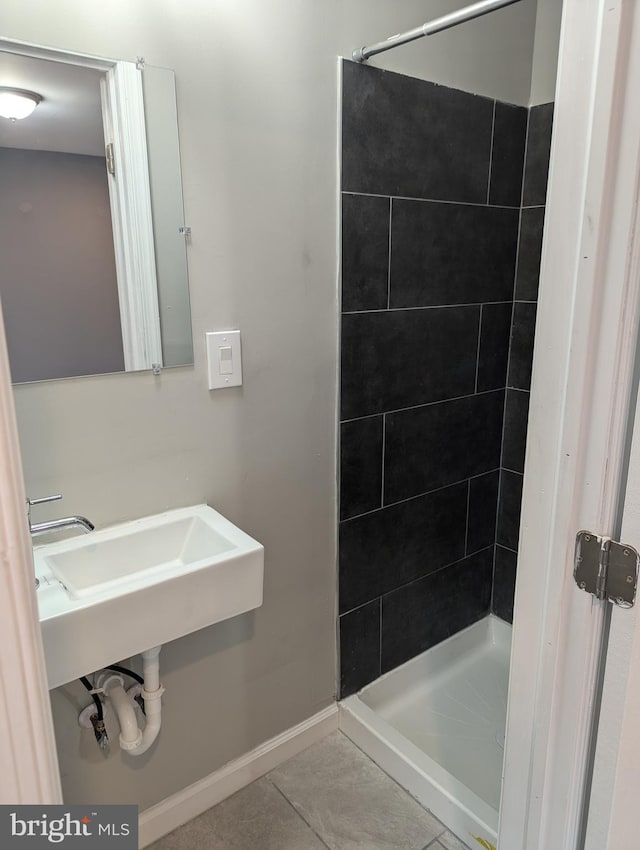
(224,359)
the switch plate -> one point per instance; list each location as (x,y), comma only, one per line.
(224,359)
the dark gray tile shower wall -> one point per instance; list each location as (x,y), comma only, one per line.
(431,186)
(534,194)
(406,138)
(431,204)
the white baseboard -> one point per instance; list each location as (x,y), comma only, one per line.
(192,801)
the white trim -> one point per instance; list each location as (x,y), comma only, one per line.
(202,795)
(584,351)
(27,745)
(52,54)
(131,217)
(612,818)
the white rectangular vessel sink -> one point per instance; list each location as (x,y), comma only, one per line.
(113,593)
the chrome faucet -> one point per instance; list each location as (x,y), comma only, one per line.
(38,528)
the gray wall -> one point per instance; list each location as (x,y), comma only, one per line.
(491,55)
(545,54)
(257,104)
(58,281)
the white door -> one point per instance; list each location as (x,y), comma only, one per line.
(612,819)
(28,756)
(580,400)
(612,822)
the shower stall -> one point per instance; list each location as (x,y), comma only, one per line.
(443,198)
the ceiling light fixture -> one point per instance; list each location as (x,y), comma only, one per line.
(17,103)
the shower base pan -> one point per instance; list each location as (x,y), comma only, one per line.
(436,725)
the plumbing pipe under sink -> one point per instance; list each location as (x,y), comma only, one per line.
(132,739)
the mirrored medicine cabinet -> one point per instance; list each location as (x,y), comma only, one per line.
(93,277)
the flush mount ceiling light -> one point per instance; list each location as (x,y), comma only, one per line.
(17,103)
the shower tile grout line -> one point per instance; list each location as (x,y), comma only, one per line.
(508,548)
(420,495)
(384,448)
(493,131)
(466,530)
(419,578)
(424,404)
(478,349)
(433,200)
(427,307)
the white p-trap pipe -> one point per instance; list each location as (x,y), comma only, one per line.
(132,739)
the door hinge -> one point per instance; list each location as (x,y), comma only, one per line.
(111,159)
(606,569)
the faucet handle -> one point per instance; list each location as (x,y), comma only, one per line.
(41,501)
(44,499)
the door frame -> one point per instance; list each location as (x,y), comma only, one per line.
(28,753)
(612,817)
(124,125)
(612,822)
(579,414)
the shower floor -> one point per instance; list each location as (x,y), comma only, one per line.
(436,725)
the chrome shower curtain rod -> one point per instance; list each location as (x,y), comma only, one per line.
(445,22)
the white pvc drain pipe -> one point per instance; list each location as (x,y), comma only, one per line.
(133,739)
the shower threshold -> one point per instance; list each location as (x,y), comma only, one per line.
(436,725)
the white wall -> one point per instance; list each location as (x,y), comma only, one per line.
(545,55)
(257,105)
(491,55)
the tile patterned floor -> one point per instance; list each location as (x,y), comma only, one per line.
(329,797)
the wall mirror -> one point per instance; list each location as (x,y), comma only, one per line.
(93,277)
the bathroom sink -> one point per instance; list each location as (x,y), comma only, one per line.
(115,592)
